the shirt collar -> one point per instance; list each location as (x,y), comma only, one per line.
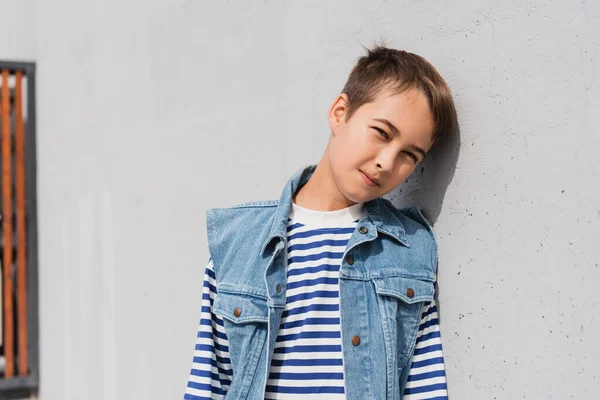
(376,211)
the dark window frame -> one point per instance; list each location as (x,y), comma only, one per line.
(17,386)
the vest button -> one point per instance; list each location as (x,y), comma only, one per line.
(410,293)
(237,312)
(356,340)
(278,288)
(350,259)
(363,229)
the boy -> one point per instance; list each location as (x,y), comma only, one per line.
(328,292)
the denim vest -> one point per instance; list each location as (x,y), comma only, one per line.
(387,275)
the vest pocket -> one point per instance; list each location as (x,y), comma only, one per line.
(239,308)
(400,301)
(409,290)
(245,319)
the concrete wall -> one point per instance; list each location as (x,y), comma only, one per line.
(17,30)
(150,112)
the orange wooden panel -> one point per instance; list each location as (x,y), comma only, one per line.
(7,228)
(21,243)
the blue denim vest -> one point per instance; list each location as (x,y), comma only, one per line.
(387,275)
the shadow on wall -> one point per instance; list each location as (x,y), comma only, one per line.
(426,186)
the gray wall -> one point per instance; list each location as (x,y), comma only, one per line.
(151,112)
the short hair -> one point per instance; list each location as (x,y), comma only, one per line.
(384,69)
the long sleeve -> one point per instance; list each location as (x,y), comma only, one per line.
(211,371)
(427,376)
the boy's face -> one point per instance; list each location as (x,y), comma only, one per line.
(366,146)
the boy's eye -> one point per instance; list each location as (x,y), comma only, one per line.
(381,131)
(414,157)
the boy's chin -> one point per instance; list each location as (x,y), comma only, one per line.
(358,197)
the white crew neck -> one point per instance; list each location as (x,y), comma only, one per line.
(342,217)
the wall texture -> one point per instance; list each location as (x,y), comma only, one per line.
(150,112)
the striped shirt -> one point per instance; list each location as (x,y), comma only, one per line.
(308,359)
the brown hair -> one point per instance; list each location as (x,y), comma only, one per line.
(397,71)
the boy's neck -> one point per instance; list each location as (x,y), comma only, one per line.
(320,193)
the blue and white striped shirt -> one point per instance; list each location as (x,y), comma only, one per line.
(308,359)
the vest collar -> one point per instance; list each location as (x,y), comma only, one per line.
(376,210)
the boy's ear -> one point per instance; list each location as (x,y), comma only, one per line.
(337,112)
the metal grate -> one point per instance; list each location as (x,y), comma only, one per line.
(19,366)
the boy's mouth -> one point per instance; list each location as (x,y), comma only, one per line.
(369,180)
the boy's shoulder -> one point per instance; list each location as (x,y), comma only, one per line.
(413,221)
(241,210)
(419,231)
(252,218)
(414,213)
(250,204)
(236,233)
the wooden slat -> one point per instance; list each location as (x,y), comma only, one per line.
(7,260)
(21,243)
